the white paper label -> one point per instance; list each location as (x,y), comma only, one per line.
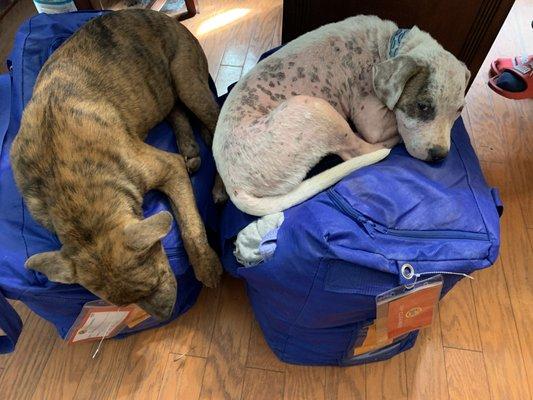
(100,324)
(2,333)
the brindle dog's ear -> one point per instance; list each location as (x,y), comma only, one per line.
(144,234)
(56,267)
(160,303)
(390,77)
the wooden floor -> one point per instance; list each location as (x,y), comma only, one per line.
(480,347)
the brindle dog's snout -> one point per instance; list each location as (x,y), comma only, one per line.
(437,153)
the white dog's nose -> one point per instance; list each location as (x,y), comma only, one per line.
(437,153)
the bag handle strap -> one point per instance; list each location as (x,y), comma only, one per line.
(10,322)
(11,325)
(5,105)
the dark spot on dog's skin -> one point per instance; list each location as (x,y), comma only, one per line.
(294,79)
(294,93)
(301,72)
(337,49)
(291,64)
(326,91)
(362,107)
(358,50)
(271,84)
(264,90)
(314,77)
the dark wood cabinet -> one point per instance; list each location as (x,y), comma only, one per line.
(467,28)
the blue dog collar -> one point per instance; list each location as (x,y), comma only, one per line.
(395,41)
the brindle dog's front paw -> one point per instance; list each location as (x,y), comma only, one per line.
(209,270)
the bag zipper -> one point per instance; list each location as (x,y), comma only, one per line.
(372,227)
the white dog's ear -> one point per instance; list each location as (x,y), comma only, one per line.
(144,234)
(390,77)
(56,267)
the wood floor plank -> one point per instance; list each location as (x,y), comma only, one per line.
(260,384)
(259,354)
(516,256)
(25,366)
(213,27)
(227,75)
(194,329)
(387,379)
(345,383)
(22,310)
(63,371)
(103,376)
(143,376)
(458,318)
(182,377)
(237,45)
(226,362)
(425,370)
(467,379)
(499,338)
(264,36)
(485,124)
(304,383)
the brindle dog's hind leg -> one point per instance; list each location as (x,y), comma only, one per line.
(195,93)
(168,173)
(187,145)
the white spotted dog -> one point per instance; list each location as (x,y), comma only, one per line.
(353,88)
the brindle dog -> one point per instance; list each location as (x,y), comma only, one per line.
(82,166)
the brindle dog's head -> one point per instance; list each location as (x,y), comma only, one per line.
(124,266)
(425,87)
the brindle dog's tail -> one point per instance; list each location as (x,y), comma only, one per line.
(260,206)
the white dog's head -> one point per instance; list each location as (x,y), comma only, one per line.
(424,85)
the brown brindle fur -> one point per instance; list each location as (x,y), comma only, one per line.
(82,166)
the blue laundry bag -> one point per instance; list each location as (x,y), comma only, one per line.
(21,236)
(315,297)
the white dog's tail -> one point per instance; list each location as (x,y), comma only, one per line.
(260,206)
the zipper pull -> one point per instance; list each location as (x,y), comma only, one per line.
(368,226)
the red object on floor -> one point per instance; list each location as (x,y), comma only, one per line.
(498,65)
(523,72)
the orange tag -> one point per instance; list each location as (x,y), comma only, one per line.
(403,310)
(412,311)
(137,316)
(371,341)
